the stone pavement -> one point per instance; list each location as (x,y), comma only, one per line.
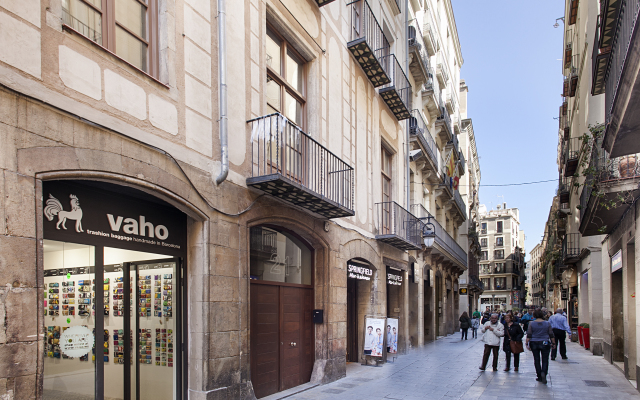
(448,369)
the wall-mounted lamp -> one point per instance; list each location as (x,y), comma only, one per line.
(428,233)
(557,24)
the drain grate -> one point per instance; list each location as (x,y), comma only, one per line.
(596,383)
(333,391)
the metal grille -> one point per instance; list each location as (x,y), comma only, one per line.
(596,383)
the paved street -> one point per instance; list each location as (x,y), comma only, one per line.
(448,369)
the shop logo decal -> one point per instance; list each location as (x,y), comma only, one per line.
(54,207)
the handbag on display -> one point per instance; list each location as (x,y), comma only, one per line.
(516,347)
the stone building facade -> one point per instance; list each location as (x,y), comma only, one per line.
(244,282)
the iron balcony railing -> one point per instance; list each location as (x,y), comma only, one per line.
(564,189)
(281,149)
(451,99)
(475,281)
(498,268)
(599,62)
(398,227)
(418,127)
(81,27)
(460,203)
(455,143)
(443,239)
(571,247)
(262,240)
(396,93)
(367,42)
(416,40)
(446,119)
(462,162)
(620,46)
(571,155)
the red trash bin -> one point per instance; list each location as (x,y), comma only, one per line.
(580,336)
(586,338)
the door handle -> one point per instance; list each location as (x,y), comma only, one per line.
(292,344)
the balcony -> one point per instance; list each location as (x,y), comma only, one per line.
(420,133)
(621,83)
(398,227)
(324,2)
(444,123)
(368,43)
(442,71)
(565,125)
(462,209)
(571,248)
(570,83)
(572,149)
(430,36)
(418,57)
(609,180)
(443,244)
(599,63)
(475,281)
(564,189)
(451,103)
(288,164)
(397,93)
(431,95)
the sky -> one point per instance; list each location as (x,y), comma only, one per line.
(512,67)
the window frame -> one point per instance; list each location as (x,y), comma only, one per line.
(385,176)
(108,32)
(499,241)
(499,227)
(280,77)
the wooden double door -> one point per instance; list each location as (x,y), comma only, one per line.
(282,339)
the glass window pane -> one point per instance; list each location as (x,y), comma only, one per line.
(83,18)
(294,71)
(279,257)
(274,52)
(131,49)
(293,109)
(68,304)
(133,16)
(273,94)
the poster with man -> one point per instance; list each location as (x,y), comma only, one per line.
(392,335)
(373,336)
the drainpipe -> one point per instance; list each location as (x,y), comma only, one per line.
(222,72)
(406,68)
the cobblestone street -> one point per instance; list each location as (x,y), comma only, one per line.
(448,369)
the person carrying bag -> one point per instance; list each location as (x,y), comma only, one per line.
(513,335)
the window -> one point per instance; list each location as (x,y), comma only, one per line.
(485,283)
(483,230)
(499,268)
(485,256)
(386,191)
(500,283)
(485,269)
(498,254)
(124,27)
(279,257)
(483,242)
(499,226)
(285,79)
(499,241)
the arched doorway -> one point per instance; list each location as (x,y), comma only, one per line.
(360,274)
(281,291)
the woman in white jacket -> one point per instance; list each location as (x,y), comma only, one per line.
(492,331)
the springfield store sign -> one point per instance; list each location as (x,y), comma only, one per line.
(359,272)
(78,213)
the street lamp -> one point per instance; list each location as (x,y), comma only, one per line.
(428,232)
(493,302)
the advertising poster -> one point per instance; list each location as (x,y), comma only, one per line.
(373,336)
(392,335)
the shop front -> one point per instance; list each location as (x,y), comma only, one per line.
(114,297)
(395,336)
(359,279)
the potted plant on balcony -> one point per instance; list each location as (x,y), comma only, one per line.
(585,336)
(580,334)
(627,166)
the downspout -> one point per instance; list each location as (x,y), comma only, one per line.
(222,75)
(406,68)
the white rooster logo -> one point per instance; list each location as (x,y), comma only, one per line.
(54,207)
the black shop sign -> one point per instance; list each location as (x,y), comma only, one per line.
(394,277)
(79,213)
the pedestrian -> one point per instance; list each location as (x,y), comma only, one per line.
(476,314)
(475,324)
(560,328)
(540,339)
(526,318)
(485,317)
(491,331)
(465,324)
(512,343)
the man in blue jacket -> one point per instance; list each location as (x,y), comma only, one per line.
(526,318)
